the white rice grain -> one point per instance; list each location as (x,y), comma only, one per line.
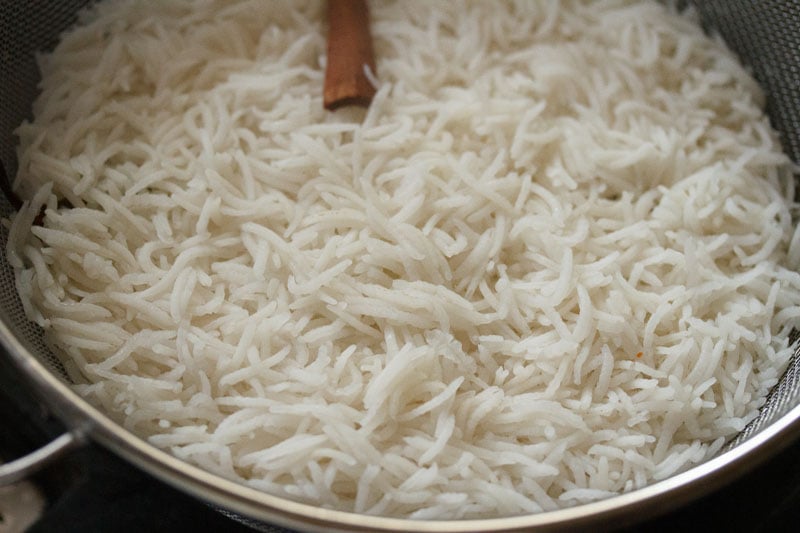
(553,261)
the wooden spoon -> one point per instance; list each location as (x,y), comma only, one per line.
(349,55)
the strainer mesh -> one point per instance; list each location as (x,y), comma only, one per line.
(766,36)
(25,28)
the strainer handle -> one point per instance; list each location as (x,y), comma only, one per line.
(26,465)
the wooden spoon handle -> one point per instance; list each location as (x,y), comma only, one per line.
(349,53)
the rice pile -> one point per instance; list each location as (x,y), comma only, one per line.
(553,261)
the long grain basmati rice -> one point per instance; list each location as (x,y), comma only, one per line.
(553,261)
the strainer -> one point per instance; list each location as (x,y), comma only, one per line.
(765,34)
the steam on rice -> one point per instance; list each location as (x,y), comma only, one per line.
(553,261)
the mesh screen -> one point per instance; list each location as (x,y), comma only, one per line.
(25,28)
(765,34)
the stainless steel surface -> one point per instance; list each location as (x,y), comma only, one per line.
(20,506)
(773,27)
(23,467)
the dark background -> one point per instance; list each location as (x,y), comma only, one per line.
(94,491)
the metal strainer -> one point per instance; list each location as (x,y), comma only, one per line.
(765,34)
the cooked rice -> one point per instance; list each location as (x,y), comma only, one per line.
(552,262)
